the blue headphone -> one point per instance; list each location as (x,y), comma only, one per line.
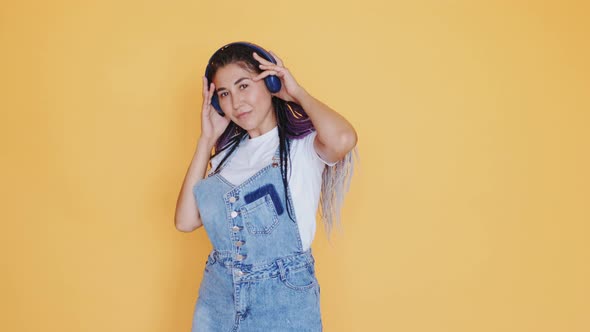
(273,83)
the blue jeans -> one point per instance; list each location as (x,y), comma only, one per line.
(280,296)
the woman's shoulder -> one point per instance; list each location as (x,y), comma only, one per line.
(305,148)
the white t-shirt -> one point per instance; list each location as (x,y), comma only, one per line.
(305,178)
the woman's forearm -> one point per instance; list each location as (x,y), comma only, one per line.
(187,217)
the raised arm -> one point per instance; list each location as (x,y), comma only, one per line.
(335,135)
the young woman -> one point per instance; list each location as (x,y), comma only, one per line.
(279,152)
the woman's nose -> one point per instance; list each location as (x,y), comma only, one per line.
(236,100)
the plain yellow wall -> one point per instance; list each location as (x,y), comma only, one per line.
(469,212)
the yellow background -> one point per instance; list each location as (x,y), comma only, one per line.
(469,211)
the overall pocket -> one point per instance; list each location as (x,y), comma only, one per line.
(260,216)
(301,279)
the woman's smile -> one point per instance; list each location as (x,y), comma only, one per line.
(243,115)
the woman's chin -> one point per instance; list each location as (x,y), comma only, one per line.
(245,125)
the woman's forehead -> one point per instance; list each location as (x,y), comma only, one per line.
(228,74)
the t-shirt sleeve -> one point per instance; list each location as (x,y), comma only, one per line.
(310,149)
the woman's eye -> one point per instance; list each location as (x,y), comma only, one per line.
(243,86)
(223,94)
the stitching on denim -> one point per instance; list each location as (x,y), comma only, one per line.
(287,272)
(252,229)
(262,191)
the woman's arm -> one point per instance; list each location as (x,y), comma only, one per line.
(335,135)
(187,217)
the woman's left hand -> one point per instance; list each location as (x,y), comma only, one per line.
(290,89)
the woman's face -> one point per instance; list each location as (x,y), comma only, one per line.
(247,103)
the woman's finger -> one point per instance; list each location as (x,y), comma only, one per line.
(267,73)
(271,66)
(261,59)
(261,76)
(275,68)
(211,92)
(205,91)
(278,60)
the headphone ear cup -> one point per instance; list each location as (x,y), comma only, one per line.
(273,83)
(215,104)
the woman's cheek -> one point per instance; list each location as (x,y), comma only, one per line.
(224,104)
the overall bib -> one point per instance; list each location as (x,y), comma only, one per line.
(257,277)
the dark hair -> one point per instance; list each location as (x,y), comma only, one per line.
(292,121)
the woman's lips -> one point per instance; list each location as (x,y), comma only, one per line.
(241,115)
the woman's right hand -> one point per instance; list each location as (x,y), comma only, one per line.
(212,124)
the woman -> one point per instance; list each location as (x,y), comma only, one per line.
(276,149)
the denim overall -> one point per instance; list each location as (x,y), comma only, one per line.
(257,277)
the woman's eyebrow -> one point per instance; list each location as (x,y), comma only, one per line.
(241,79)
(236,82)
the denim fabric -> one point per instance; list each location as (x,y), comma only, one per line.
(257,277)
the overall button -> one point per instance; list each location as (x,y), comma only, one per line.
(239,273)
(235,228)
(240,257)
(232,199)
(240,243)
(233,214)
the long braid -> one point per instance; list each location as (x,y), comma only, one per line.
(284,150)
(231,144)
